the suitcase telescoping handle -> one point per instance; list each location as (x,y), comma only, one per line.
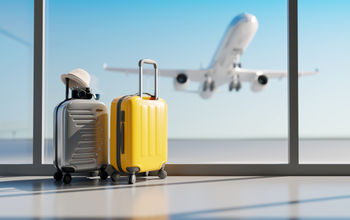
(155,65)
(67,88)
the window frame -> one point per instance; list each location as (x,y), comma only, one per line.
(293,167)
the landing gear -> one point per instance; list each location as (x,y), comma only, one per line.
(230,87)
(208,84)
(237,65)
(237,86)
(212,86)
(205,86)
(235,83)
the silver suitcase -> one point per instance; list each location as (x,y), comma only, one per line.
(80,137)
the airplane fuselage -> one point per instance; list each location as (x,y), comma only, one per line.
(236,39)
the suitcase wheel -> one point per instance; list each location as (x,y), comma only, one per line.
(103,175)
(132,179)
(67,178)
(115,176)
(162,174)
(58,175)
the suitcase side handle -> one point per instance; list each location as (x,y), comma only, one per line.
(155,65)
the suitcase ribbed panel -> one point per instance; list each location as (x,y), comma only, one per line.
(82,134)
(151,145)
(156,134)
(144,131)
(80,156)
(85,150)
(85,119)
(148,122)
(83,161)
(87,130)
(152,131)
(81,112)
(159,132)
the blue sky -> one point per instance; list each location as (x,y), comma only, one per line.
(16,68)
(185,34)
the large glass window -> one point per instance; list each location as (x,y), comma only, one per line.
(228,127)
(324,107)
(16,67)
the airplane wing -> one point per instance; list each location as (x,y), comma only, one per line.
(248,73)
(193,75)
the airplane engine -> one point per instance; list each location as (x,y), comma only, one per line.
(260,83)
(181,82)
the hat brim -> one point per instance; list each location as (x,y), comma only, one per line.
(74,81)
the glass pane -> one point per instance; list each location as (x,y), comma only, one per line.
(16,67)
(228,127)
(324,107)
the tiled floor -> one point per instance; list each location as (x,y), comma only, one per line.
(177,198)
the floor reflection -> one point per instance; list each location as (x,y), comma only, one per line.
(176,198)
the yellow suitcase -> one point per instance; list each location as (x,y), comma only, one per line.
(139,139)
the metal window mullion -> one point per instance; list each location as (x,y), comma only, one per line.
(293,114)
(38,84)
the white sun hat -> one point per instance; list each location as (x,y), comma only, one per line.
(77,78)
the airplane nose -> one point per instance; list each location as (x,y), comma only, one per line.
(249,17)
(244,18)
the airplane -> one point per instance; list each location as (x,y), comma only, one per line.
(225,67)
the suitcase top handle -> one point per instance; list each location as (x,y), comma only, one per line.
(155,65)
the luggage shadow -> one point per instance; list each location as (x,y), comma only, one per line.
(42,186)
(78,182)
